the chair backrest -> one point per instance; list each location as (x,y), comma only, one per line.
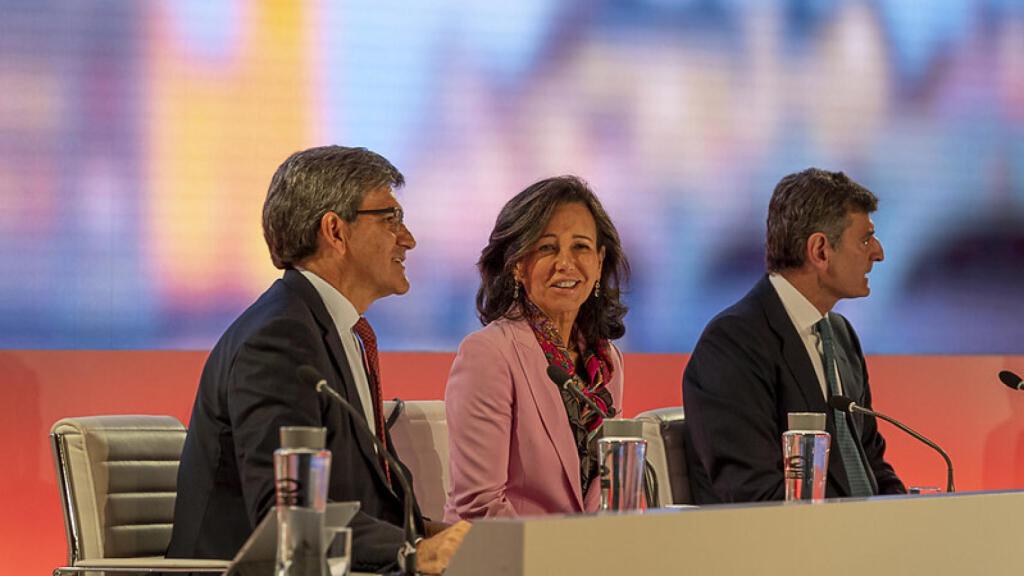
(420,436)
(665,432)
(117,478)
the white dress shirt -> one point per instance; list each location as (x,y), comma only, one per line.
(345,316)
(804,316)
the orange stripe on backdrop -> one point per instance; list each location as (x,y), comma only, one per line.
(222,121)
(956,400)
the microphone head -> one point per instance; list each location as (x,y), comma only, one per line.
(1008,378)
(309,375)
(558,376)
(841,403)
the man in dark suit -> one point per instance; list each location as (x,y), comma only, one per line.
(780,349)
(332,222)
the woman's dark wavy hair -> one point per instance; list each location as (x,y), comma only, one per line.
(520,223)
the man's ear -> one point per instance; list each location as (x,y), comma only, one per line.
(333,233)
(819,251)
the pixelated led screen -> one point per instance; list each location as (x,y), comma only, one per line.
(137,140)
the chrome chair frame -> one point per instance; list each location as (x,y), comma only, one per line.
(76,564)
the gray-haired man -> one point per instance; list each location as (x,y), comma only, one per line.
(333,224)
(780,349)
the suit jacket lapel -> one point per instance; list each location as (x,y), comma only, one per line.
(340,361)
(794,355)
(332,341)
(548,401)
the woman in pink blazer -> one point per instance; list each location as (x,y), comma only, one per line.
(520,443)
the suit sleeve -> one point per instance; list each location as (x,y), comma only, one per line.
(375,544)
(479,402)
(264,394)
(871,438)
(731,413)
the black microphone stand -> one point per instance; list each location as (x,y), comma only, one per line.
(408,552)
(562,379)
(846,405)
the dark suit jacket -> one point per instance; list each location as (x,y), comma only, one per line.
(747,372)
(248,390)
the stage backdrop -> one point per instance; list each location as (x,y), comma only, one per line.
(137,140)
(957,401)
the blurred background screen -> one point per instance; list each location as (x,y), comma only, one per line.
(137,140)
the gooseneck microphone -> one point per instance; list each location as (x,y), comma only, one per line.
(1011,380)
(312,377)
(844,404)
(564,381)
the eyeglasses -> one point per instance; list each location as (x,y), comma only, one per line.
(394,217)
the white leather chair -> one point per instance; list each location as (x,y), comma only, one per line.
(117,478)
(420,435)
(665,432)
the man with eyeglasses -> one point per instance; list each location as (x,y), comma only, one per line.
(333,224)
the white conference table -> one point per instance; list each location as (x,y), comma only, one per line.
(940,534)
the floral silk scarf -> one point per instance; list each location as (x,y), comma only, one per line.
(596,367)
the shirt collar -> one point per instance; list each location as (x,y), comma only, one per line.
(342,312)
(801,312)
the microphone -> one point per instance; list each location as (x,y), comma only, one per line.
(564,381)
(1011,380)
(844,404)
(312,377)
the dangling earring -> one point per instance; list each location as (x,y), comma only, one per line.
(515,289)
(597,289)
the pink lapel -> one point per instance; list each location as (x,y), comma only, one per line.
(548,402)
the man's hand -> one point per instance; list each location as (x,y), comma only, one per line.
(433,554)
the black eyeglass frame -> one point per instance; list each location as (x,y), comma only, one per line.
(394,211)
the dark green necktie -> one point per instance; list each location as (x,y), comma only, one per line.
(847,444)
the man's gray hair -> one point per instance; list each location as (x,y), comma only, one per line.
(806,202)
(312,183)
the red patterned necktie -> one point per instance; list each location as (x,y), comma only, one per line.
(369,338)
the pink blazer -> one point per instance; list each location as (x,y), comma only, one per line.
(511,452)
